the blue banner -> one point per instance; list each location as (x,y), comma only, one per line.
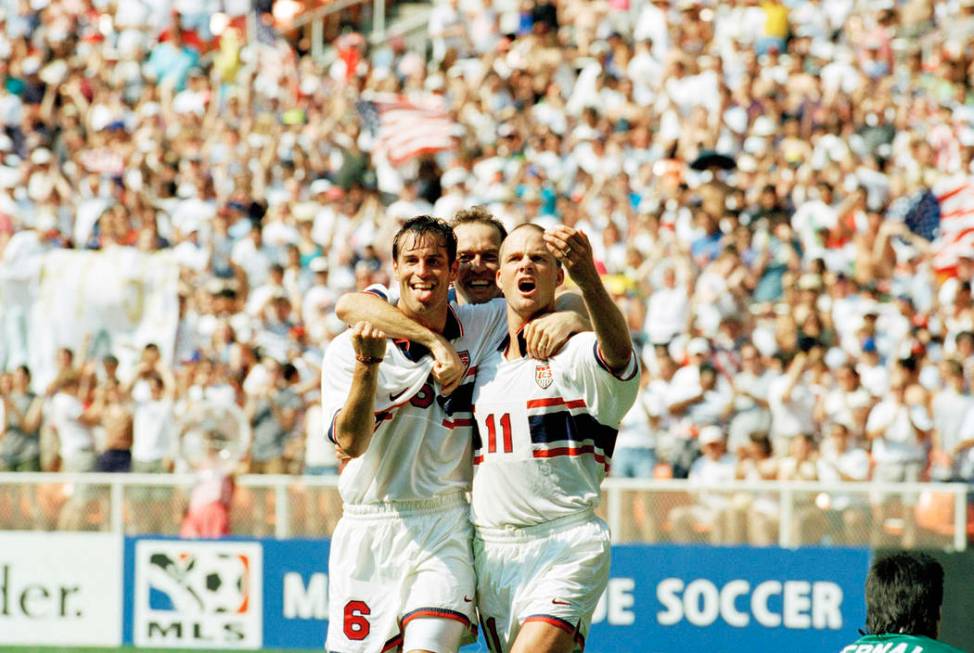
(670,599)
(249,594)
(295,593)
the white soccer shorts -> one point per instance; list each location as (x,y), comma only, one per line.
(394,563)
(554,573)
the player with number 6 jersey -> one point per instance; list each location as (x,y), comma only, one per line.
(544,435)
(401,568)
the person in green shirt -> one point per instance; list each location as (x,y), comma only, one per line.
(904,593)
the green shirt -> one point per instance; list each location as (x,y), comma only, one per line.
(893,643)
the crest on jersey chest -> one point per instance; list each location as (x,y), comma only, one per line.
(464,357)
(543,376)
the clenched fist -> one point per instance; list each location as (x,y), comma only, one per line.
(368,342)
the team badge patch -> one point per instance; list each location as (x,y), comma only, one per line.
(543,377)
(464,357)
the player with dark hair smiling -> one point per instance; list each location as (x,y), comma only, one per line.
(904,593)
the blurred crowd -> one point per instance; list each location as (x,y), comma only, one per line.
(742,168)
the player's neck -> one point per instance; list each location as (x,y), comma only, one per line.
(516,347)
(433,319)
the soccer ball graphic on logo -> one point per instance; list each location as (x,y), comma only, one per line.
(199,581)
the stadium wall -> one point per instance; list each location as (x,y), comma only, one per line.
(61,589)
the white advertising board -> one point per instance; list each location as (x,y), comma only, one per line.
(60,588)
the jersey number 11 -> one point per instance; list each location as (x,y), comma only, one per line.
(505,421)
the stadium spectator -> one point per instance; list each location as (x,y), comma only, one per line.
(840,461)
(899,430)
(20,419)
(154,439)
(750,387)
(116,416)
(73,424)
(949,408)
(710,514)
(755,509)
(273,411)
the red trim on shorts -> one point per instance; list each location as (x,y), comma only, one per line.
(470,371)
(560,624)
(436,613)
(452,424)
(477,460)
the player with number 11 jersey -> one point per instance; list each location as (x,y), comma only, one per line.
(543,441)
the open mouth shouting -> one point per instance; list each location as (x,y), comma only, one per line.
(526,286)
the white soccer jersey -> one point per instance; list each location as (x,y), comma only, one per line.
(544,433)
(421,447)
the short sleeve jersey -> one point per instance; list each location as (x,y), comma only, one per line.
(896,643)
(545,432)
(421,447)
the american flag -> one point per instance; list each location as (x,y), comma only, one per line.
(945,215)
(405,128)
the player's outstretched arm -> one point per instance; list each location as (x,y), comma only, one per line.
(448,369)
(574,250)
(356,421)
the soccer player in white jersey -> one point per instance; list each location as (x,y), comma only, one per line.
(545,430)
(401,569)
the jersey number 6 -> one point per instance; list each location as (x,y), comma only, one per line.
(356,625)
(505,421)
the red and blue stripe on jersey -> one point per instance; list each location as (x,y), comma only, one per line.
(560,427)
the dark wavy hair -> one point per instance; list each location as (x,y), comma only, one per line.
(904,592)
(427,225)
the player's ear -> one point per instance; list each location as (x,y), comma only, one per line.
(497,280)
(454,270)
(561,275)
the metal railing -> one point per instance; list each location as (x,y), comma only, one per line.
(788,514)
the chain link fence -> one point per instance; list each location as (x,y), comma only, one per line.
(920,515)
(791,514)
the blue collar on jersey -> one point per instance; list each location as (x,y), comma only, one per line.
(522,343)
(451,331)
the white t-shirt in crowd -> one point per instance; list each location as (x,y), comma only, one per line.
(75,437)
(841,406)
(319,451)
(635,431)
(152,431)
(667,314)
(899,442)
(792,417)
(706,471)
(949,411)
